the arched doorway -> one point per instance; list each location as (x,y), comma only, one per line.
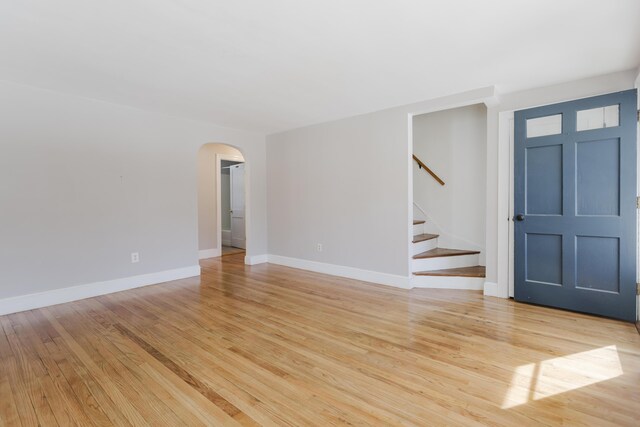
(221,200)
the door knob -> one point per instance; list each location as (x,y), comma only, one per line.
(520,217)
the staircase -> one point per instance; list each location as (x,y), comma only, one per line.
(435,267)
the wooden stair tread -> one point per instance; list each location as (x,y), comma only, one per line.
(443,252)
(475,271)
(418,221)
(422,237)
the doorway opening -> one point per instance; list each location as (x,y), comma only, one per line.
(449,197)
(221,201)
(232,207)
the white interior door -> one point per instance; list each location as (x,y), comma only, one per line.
(238,236)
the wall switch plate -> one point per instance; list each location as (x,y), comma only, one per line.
(135,257)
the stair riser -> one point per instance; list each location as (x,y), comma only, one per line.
(424,246)
(443,282)
(440,263)
(418,229)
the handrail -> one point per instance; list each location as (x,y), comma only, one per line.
(426,168)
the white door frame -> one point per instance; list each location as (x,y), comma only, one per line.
(219,159)
(506,145)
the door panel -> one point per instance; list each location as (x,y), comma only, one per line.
(544,168)
(575,192)
(544,258)
(598,177)
(603,275)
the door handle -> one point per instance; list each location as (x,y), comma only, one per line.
(519,217)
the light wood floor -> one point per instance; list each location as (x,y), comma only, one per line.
(230,250)
(269,345)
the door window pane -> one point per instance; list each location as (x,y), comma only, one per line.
(598,118)
(543,126)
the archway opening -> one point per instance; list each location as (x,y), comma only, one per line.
(222,213)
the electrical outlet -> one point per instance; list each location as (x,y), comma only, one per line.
(135,257)
(319,247)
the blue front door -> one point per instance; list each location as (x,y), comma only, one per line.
(575,205)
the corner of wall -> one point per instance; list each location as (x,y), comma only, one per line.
(490,289)
(256,259)
(209,253)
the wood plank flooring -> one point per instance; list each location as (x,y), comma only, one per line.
(230,250)
(270,345)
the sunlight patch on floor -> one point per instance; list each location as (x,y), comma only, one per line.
(535,381)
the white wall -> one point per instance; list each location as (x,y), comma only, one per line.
(347,185)
(207,198)
(451,142)
(84,183)
(343,183)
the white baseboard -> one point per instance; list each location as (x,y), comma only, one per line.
(226,237)
(74,293)
(491,289)
(256,259)
(208,253)
(342,271)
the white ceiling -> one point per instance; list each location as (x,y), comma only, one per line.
(279,64)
